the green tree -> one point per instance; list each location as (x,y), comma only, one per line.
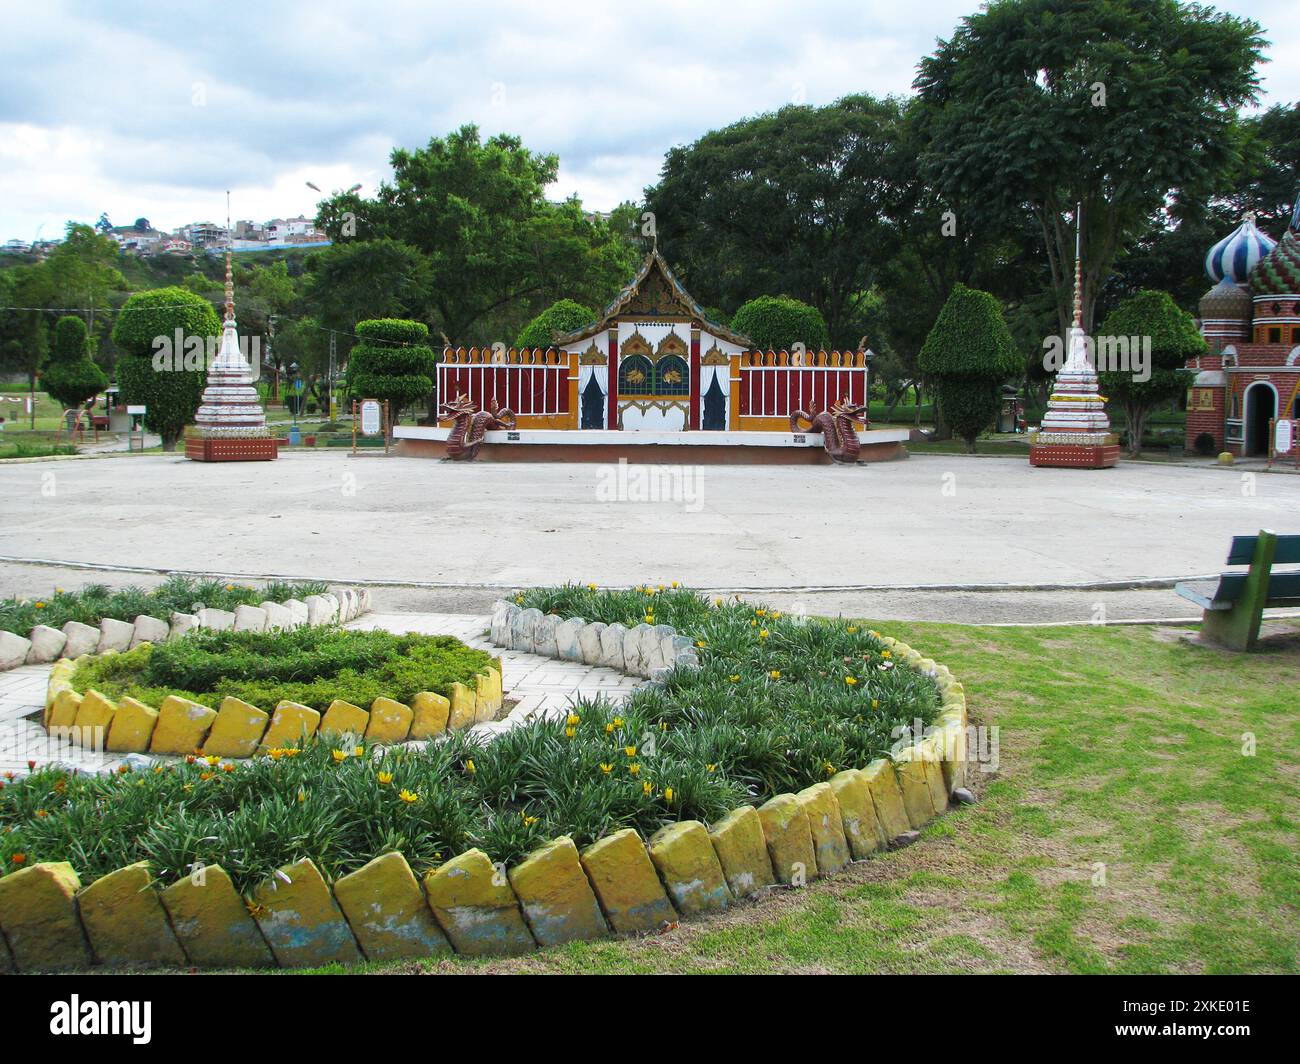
(1174,338)
(777,323)
(562,316)
(967,357)
(476,210)
(392,360)
(1031,105)
(82,271)
(170,393)
(70,377)
(796,201)
(366,279)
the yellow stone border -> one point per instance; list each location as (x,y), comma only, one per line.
(239,730)
(619,885)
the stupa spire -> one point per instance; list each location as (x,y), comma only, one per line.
(1075,430)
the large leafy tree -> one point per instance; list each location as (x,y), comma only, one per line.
(170,392)
(1033,106)
(795,201)
(69,376)
(966,359)
(476,210)
(82,270)
(1174,338)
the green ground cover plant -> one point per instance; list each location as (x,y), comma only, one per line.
(778,703)
(312,666)
(181,594)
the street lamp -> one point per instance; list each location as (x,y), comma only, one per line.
(295,388)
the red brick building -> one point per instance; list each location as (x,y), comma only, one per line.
(1251,322)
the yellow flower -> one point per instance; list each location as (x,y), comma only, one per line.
(293,751)
(886,654)
(609,729)
(606,767)
(668,794)
(58,591)
(573,719)
(710,768)
(469,766)
(385,778)
(591,587)
(338,755)
(212,759)
(618,722)
(851,680)
(763,634)
(753,624)
(40,605)
(569,733)
(851,629)
(634,768)
(646,788)
(734,678)
(776,616)
(828,768)
(228,767)
(663,725)
(206,775)
(674,583)
(529,821)
(302,796)
(630,751)
(230,587)
(408,796)
(360,751)
(875,703)
(717,601)
(519,599)
(761,613)
(775,674)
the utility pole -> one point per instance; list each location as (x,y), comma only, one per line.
(330,381)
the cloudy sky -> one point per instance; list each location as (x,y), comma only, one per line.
(154,109)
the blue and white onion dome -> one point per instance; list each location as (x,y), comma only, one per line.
(1233,257)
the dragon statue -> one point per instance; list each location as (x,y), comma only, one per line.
(470,425)
(839,437)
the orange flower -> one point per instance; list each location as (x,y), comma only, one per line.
(19,858)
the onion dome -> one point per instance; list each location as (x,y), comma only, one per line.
(1225,302)
(1233,257)
(1279,273)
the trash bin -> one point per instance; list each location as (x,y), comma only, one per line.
(295,436)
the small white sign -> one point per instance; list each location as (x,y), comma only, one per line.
(371,414)
(137,409)
(1283,436)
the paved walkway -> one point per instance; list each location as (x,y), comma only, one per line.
(540,687)
(931,520)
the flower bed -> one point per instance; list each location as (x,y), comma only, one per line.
(177,594)
(777,712)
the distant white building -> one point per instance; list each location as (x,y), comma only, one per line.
(17,247)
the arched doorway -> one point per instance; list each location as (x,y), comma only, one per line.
(1260,409)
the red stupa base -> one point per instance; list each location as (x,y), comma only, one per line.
(1074,455)
(231,449)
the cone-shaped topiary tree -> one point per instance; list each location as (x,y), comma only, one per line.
(562,316)
(777,323)
(1147,317)
(70,377)
(392,360)
(967,357)
(162,333)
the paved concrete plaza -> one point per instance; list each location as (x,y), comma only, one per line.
(929,520)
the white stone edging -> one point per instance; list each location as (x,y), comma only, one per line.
(46,644)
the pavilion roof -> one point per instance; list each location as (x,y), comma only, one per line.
(653,293)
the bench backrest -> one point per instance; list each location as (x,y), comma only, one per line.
(1283,588)
(1243,550)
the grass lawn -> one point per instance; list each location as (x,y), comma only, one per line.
(1119,747)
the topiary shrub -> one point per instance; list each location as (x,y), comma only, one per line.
(967,357)
(392,360)
(562,316)
(777,323)
(169,392)
(70,377)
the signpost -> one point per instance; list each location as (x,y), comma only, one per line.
(1282,440)
(133,412)
(372,418)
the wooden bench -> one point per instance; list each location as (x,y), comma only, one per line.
(1235,605)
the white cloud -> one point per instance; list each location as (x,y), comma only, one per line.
(139,108)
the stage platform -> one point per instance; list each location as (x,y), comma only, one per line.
(700,448)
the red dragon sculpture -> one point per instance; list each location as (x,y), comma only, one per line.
(840,438)
(470,425)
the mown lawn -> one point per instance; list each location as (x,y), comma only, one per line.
(1124,831)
